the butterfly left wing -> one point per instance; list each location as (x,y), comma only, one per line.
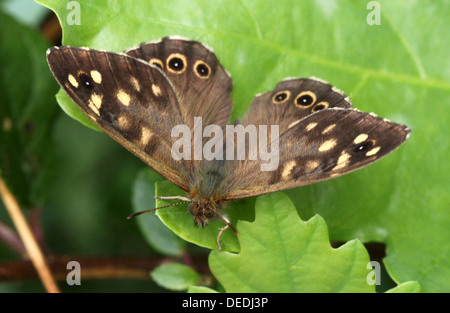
(201,83)
(129,99)
(323,145)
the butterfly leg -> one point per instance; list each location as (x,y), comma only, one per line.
(220,234)
(228,225)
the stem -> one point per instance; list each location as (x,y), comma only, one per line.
(25,233)
(96,267)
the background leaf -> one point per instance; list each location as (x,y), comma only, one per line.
(175,276)
(398,69)
(158,236)
(26,112)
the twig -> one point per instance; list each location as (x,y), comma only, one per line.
(25,233)
(95,267)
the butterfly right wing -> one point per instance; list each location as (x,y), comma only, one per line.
(132,101)
(320,137)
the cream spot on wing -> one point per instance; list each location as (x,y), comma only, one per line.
(135,84)
(72,80)
(310,126)
(156,90)
(146,134)
(373,151)
(123,97)
(327,145)
(360,138)
(328,129)
(96,100)
(93,108)
(293,124)
(95,103)
(287,169)
(343,161)
(124,122)
(96,76)
(311,165)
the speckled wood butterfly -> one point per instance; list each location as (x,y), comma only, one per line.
(139,96)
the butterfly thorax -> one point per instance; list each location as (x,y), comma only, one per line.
(207,193)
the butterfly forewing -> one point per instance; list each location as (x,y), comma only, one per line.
(130,100)
(202,84)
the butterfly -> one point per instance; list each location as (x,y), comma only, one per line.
(140,96)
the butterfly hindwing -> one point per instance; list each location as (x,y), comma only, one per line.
(292,100)
(321,145)
(129,99)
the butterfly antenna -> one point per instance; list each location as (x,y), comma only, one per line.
(151,210)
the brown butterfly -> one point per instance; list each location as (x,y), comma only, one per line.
(139,97)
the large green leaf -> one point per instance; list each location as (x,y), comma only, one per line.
(398,69)
(27,110)
(281,253)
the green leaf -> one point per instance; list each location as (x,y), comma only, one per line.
(175,276)
(281,253)
(408,287)
(27,110)
(181,222)
(398,69)
(157,235)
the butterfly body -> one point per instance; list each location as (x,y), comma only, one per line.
(207,193)
(141,96)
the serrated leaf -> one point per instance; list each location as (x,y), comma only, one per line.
(27,110)
(156,234)
(175,276)
(398,69)
(281,253)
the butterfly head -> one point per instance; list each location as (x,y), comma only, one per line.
(202,212)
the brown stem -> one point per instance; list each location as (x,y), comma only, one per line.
(94,267)
(25,233)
